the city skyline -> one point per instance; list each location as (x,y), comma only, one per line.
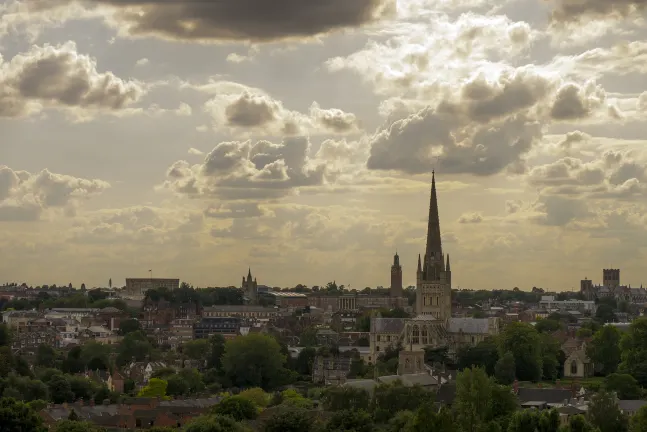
(303,146)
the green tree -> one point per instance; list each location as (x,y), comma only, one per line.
(343,397)
(350,421)
(155,388)
(605,313)
(634,351)
(214,423)
(257,396)
(308,337)
(196,349)
(305,361)
(524,342)
(46,356)
(578,423)
(548,325)
(505,369)
(485,354)
(134,345)
(638,422)
(292,398)
(236,407)
(604,413)
(604,349)
(17,416)
(551,356)
(389,399)
(290,420)
(60,390)
(5,335)
(254,360)
(216,352)
(429,419)
(472,404)
(129,326)
(624,385)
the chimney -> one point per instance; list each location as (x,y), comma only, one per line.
(515,386)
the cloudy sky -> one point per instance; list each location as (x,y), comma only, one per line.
(199,137)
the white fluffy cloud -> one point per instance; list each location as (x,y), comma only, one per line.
(58,76)
(25,196)
(245,170)
(248,110)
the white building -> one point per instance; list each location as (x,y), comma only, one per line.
(549,303)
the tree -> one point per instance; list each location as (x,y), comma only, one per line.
(60,390)
(216,352)
(46,356)
(578,423)
(604,349)
(605,313)
(134,345)
(254,360)
(305,361)
(308,337)
(604,413)
(236,407)
(429,419)
(5,335)
(389,399)
(215,423)
(343,397)
(289,420)
(548,325)
(485,354)
(524,342)
(472,405)
(156,388)
(196,349)
(551,356)
(129,326)
(624,385)
(505,369)
(350,421)
(257,396)
(638,422)
(292,398)
(17,416)
(634,351)
(73,416)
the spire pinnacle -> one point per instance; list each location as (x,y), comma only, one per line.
(419,264)
(249,273)
(434,245)
(447,268)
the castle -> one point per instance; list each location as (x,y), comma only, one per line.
(433,325)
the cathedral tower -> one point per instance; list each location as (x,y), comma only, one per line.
(434,277)
(396,277)
(250,288)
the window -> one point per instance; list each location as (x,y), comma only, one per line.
(378,338)
(573,367)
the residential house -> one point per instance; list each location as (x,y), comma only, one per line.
(141,372)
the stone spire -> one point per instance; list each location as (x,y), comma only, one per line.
(447,268)
(434,245)
(249,274)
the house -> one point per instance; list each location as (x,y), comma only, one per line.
(331,369)
(578,365)
(630,407)
(141,372)
(116,382)
(550,397)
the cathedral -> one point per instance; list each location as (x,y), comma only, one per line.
(433,325)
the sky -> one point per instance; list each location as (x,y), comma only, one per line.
(198,138)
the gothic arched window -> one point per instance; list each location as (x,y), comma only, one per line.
(573,367)
(415,335)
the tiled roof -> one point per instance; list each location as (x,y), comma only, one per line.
(631,404)
(469,325)
(548,395)
(387,325)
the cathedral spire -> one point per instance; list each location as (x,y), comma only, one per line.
(419,264)
(434,246)
(447,268)
(249,273)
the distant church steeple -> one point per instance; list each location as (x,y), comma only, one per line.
(396,277)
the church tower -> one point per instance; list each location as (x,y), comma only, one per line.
(434,277)
(250,288)
(396,277)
